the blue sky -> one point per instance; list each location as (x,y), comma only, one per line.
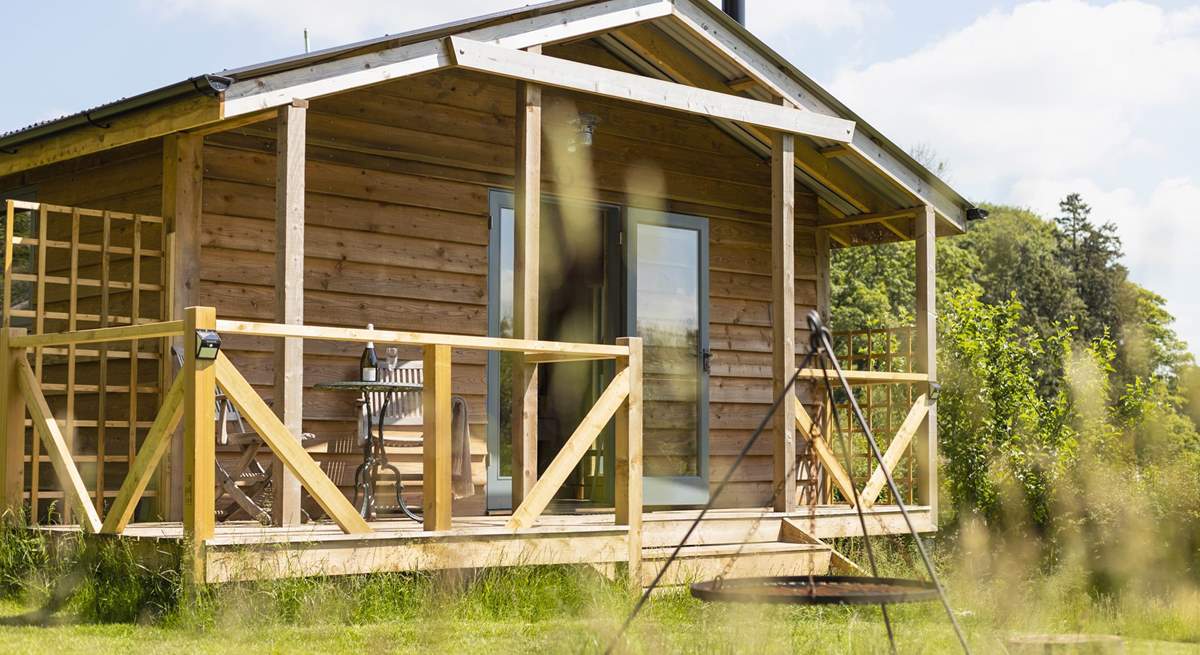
(1026,101)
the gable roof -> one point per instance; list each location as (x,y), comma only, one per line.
(695,25)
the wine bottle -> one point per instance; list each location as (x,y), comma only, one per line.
(369,363)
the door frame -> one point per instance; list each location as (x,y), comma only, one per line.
(676,490)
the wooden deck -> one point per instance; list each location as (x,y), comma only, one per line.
(248,551)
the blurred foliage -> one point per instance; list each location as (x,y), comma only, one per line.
(1070,406)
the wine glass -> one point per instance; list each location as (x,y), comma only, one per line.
(393,360)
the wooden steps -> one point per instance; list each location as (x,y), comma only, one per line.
(708,561)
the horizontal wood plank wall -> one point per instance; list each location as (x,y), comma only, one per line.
(397,231)
(126,179)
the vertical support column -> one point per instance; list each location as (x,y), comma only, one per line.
(628,482)
(199,442)
(527,188)
(824,283)
(290,129)
(182,202)
(437,498)
(12,439)
(783,313)
(926,355)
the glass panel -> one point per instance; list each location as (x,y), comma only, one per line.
(507,238)
(668,320)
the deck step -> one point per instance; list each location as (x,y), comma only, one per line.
(705,562)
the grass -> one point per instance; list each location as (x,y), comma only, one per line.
(120,607)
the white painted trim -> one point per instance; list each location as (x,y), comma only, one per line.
(585,78)
(257,94)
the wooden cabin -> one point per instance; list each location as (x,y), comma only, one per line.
(600,224)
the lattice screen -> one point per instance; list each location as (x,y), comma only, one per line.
(67,269)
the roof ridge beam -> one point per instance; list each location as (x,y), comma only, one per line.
(259,93)
(597,80)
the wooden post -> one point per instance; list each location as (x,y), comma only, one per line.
(12,439)
(783,313)
(182,205)
(437,498)
(290,129)
(526,269)
(199,440)
(628,483)
(926,355)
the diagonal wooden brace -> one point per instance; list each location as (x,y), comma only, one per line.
(896,450)
(281,441)
(805,425)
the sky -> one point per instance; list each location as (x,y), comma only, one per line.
(1025,101)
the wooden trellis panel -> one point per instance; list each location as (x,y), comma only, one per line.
(70,268)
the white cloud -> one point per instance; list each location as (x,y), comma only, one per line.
(1057,96)
(1048,88)
(330,23)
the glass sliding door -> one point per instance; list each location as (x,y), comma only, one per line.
(667,306)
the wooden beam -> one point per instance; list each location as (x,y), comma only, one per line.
(825,453)
(783,314)
(742,84)
(74,491)
(824,272)
(182,207)
(290,130)
(835,150)
(872,217)
(662,53)
(407,59)
(437,498)
(199,442)
(527,186)
(895,451)
(276,436)
(99,335)
(627,483)
(12,439)
(137,125)
(596,80)
(926,355)
(155,445)
(330,333)
(864,377)
(571,453)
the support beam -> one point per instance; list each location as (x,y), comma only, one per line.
(12,439)
(820,443)
(75,494)
(437,499)
(527,185)
(597,80)
(895,451)
(408,59)
(926,356)
(571,452)
(182,206)
(290,130)
(783,313)
(199,442)
(628,474)
(874,217)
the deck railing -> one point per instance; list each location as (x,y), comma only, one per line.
(879,365)
(190,400)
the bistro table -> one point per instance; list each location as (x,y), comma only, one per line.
(374,454)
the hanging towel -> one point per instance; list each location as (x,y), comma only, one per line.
(462,485)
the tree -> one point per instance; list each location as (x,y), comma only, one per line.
(1093,253)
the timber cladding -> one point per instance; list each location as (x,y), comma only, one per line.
(396,234)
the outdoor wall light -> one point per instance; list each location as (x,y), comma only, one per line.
(585,131)
(208,344)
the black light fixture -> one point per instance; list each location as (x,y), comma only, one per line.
(208,344)
(976,214)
